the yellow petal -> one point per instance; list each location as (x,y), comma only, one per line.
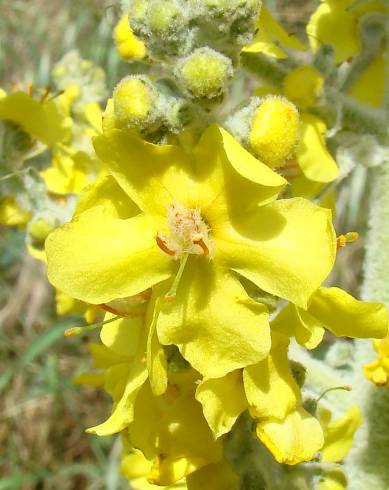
(123,381)
(231,178)
(333,480)
(218,476)
(303,85)
(271,34)
(344,315)
(312,155)
(97,258)
(123,412)
(335,17)
(286,248)
(211,313)
(270,387)
(106,192)
(369,87)
(223,400)
(123,335)
(40,119)
(295,322)
(338,436)
(171,430)
(294,440)
(153,176)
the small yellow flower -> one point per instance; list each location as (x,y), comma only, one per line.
(378,370)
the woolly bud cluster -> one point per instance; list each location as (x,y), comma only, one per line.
(142,106)
(173,28)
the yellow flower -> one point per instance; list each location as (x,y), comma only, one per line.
(335,310)
(127,44)
(378,370)
(172,432)
(292,440)
(41,119)
(338,23)
(338,434)
(201,222)
(136,468)
(271,37)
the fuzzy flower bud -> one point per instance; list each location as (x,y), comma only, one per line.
(128,45)
(274,131)
(204,73)
(134,100)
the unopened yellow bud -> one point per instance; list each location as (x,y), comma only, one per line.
(205,72)
(274,131)
(133,101)
(39,230)
(303,85)
(127,44)
(163,15)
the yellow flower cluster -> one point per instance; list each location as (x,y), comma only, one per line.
(197,241)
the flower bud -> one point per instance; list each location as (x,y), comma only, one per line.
(204,73)
(274,131)
(134,100)
(39,230)
(127,44)
(164,16)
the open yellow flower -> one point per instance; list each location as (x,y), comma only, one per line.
(271,37)
(201,224)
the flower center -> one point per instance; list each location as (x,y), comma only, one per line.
(188,233)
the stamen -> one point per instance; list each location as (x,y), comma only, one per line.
(45,93)
(70,332)
(171,294)
(162,245)
(200,243)
(30,89)
(343,240)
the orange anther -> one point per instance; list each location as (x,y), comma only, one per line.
(200,243)
(162,245)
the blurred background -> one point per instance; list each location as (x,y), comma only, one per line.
(42,413)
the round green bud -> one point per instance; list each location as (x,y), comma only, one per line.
(137,11)
(164,16)
(204,73)
(134,102)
